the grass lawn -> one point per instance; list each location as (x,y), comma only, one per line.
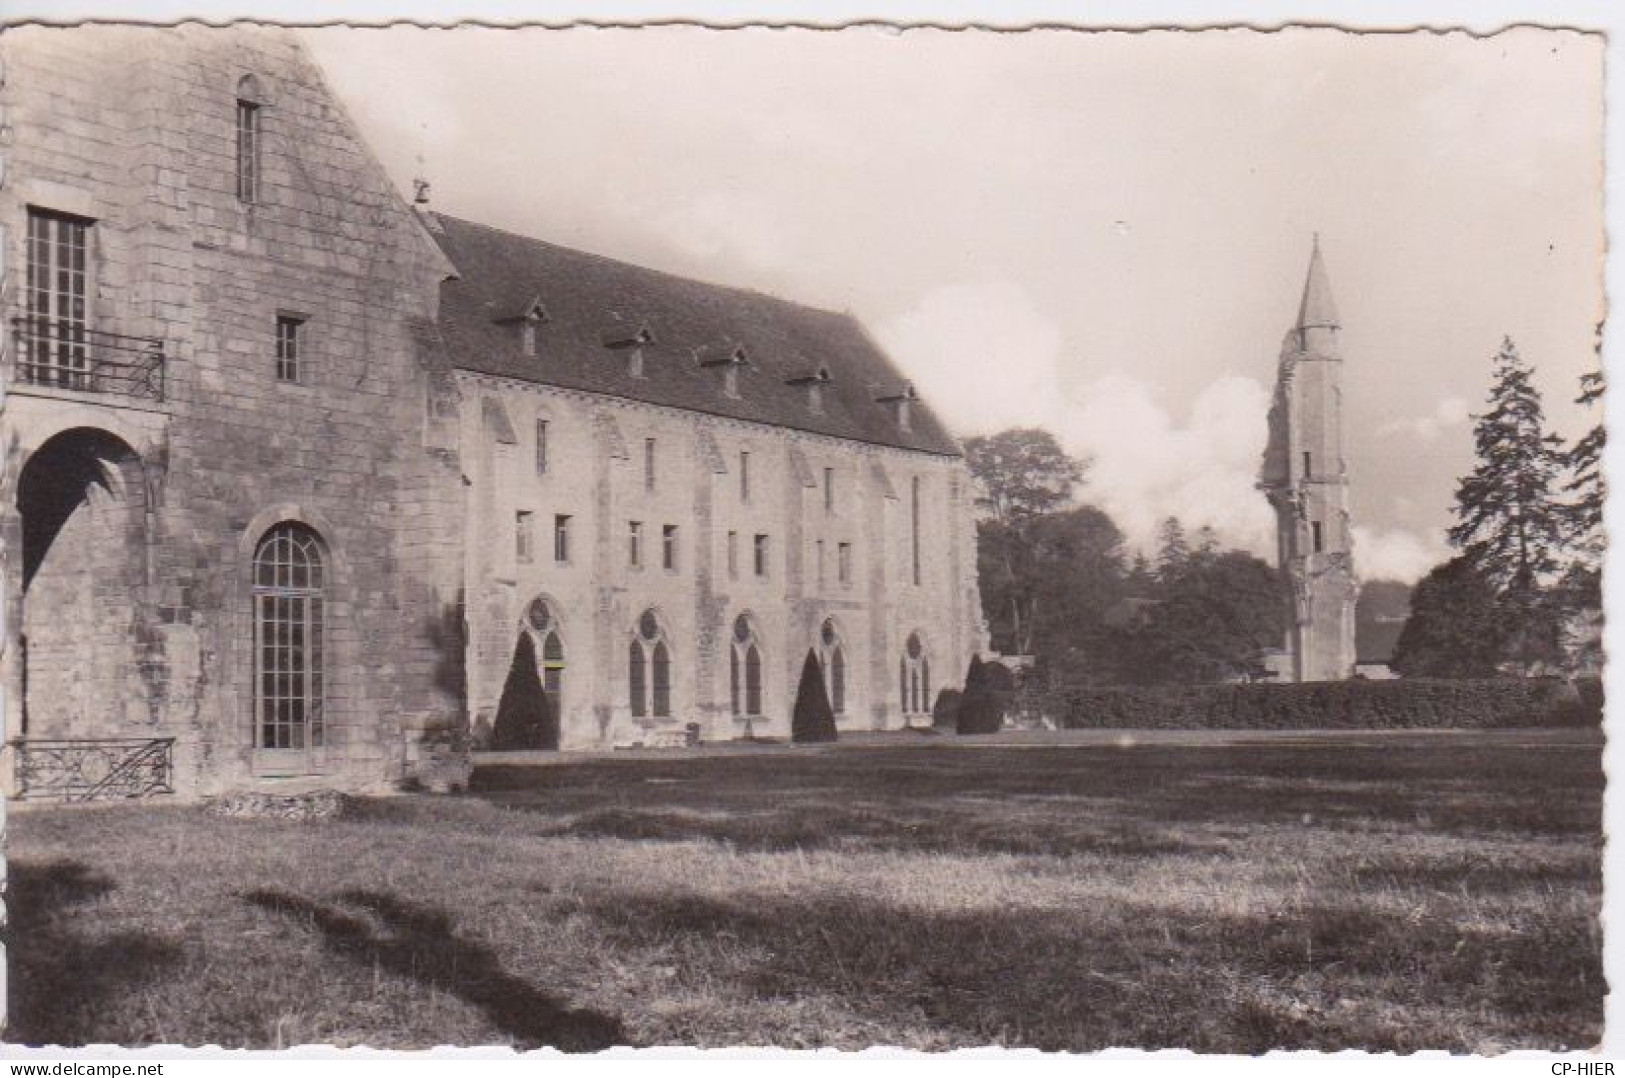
(1392,891)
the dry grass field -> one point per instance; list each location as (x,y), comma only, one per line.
(1394,892)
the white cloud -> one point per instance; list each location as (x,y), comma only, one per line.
(983,354)
(987,359)
(1147,467)
(1450,413)
(1396,554)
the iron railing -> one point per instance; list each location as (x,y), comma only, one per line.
(94,769)
(67,355)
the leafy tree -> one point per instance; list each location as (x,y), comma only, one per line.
(1023,472)
(1214,620)
(1510,526)
(813,718)
(525,718)
(1024,476)
(1585,476)
(1457,626)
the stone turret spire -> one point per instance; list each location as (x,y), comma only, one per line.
(1317,311)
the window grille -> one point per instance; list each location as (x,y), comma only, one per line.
(56,351)
(288,639)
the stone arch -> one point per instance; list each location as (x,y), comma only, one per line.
(649,658)
(543,618)
(82,502)
(747,666)
(251,88)
(835,660)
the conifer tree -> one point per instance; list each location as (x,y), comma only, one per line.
(525,718)
(1585,476)
(1173,551)
(1510,525)
(813,719)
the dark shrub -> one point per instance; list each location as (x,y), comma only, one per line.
(979,709)
(813,718)
(525,718)
(945,712)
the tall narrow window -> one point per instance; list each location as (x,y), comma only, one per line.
(648,464)
(820,546)
(288,639)
(829,490)
(524,536)
(287,347)
(761,555)
(832,662)
(914,526)
(744,475)
(634,544)
(649,672)
(668,547)
(843,567)
(745,670)
(915,674)
(1308,469)
(541,447)
(1320,539)
(55,346)
(561,538)
(733,555)
(544,624)
(248,151)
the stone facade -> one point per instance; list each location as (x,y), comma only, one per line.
(140,513)
(843,558)
(265,488)
(1306,478)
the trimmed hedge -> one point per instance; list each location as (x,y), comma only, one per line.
(813,719)
(1405,703)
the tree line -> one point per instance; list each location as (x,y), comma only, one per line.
(1060,584)
(1523,595)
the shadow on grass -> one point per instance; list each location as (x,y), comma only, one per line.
(1316,977)
(64,973)
(420,943)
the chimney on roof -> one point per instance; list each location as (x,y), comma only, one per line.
(420,191)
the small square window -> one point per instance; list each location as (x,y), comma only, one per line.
(288,329)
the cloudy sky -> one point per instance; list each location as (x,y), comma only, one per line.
(1101,233)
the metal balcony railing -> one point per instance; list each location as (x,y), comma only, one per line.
(63,354)
(93,769)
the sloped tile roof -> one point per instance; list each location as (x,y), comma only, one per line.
(586,297)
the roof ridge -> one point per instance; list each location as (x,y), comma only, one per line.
(846,316)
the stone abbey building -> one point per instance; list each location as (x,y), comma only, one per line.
(291,464)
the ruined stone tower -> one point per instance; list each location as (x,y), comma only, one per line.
(1306,480)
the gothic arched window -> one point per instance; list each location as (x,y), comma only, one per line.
(288,638)
(832,659)
(914,673)
(745,670)
(543,623)
(649,669)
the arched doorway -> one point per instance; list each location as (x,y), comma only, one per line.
(82,500)
(832,660)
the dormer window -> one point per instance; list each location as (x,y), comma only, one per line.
(815,381)
(730,359)
(527,316)
(902,405)
(629,337)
